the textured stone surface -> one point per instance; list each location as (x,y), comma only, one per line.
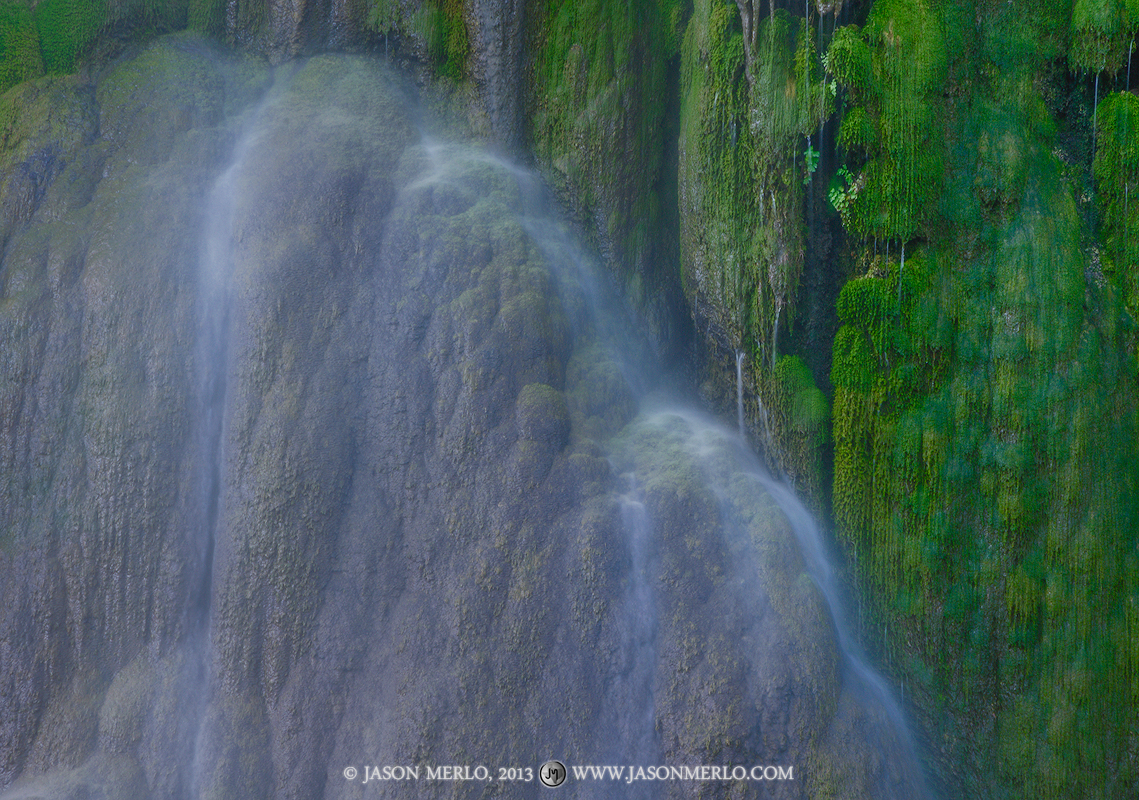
(423,549)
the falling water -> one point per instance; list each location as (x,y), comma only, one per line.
(215,276)
(635,692)
(634,706)
(725,459)
(215,269)
(819,565)
(740,392)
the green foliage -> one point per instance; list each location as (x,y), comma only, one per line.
(985,489)
(598,116)
(66,28)
(893,69)
(1102,31)
(19,45)
(1117,181)
(841,193)
(438,24)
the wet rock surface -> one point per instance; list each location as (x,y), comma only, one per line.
(420,547)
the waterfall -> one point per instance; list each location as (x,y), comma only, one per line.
(728,466)
(211,365)
(427,509)
(215,272)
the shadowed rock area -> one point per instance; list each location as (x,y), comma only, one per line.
(425,525)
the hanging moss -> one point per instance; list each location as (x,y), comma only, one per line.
(19,45)
(1117,182)
(894,69)
(805,414)
(1102,31)
(437,24)
(66,28)
(986,489)
(858,130)
(848,59)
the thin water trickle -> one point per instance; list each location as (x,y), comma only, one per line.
(775,334)
(638,706)
(740,391)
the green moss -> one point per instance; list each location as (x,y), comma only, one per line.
(982,485)
(438,24)
(858,130)
(1117,180)
(206,16)
(848,59)
(19,45)
(66,28)
(748,116)
(599,77)
(1102,31)
(805,413)
(893,69)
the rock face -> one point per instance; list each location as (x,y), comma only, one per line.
(316,453)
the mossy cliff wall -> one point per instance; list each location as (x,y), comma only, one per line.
(985,476)
(979,161)
(316,443)
(753,101)
(601,80)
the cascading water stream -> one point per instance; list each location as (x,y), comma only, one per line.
(712,447)
(640,745)
(819,566)
(740,392)
(636,689)
(212,347)
(215,271)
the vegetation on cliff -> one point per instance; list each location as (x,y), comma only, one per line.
(981,161)
(985,420)
(753,102)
